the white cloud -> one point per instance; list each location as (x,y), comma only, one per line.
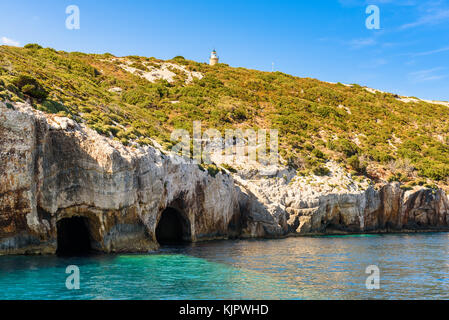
(360,43)
(374,63)
(427,75)
(10,42)
(426,53)
(378,62)
(432,17)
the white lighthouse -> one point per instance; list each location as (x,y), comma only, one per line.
(213,58)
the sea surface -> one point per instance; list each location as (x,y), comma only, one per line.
(411,266)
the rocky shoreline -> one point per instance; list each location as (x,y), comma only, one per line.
(53,169)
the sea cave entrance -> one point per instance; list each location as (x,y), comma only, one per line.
(172,228)
(73,237)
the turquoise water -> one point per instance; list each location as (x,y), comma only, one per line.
(412,266)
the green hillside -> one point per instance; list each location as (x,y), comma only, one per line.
(372,134)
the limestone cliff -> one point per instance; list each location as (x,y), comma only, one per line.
(389,209)
(52,168)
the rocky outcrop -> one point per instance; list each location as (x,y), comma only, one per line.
(389,209)
(52,168)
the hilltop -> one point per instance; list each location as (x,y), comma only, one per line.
(137,100)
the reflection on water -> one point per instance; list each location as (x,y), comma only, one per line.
(411,266)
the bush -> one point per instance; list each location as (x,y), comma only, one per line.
(348,148)
(397,177)
(295,162)
(32,46)
(11,87)
(31,87)
(141,97)
(380,156)
(318,154)
(212,170)
(309,147)
(435,171)
(406,187)
(229,168)
(239,114)
(28,89)
(355,164)
(139,65)
(321,171)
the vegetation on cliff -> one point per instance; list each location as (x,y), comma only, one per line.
(370,132)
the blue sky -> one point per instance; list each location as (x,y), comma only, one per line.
(321,39)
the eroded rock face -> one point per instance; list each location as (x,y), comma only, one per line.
(389,209)
(52,168)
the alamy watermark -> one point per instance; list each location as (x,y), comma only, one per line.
(72,282)
(72,22)
(373,20)
(373,280)
(235,147)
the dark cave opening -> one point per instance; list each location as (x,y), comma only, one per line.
(73,237)
(172,228)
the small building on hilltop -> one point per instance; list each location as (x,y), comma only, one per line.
(213,58)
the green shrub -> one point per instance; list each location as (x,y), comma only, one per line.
(383,156)
(309,147)
(321,171)
(139,65)
(436,171)
(354,162)
(406,187)
(212,169)
(32,46)
(239,114)
(399,177)
(229,168)
(53,107)
(30,86)
(348,148)
(11,87)
(28,89)
(318,154)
